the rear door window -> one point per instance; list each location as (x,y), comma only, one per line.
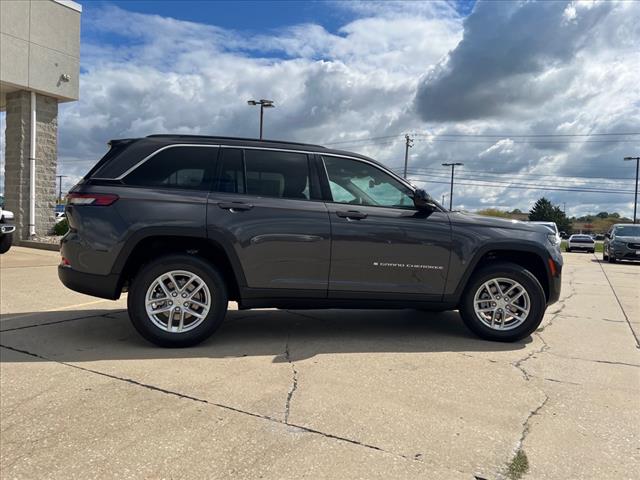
(264,173)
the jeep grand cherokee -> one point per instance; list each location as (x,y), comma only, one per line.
(187,223)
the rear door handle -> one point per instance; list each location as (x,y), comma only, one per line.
(235,206)
(352,214)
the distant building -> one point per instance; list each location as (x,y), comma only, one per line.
(39,67)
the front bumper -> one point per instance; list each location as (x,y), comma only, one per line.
(625,251)
(6,228)
(103,286)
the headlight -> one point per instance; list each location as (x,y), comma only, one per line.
(552,239)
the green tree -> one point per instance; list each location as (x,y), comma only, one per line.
(544,211)
(603,215)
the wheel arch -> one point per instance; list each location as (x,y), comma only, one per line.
(532,258)
(152,245)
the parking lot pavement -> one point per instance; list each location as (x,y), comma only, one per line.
(319,394)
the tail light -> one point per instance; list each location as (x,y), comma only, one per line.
(95,199)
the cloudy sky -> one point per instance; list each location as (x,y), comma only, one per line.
(528,95)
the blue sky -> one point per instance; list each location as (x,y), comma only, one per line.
(254,16)
(469,81)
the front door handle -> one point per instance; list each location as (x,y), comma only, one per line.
(235,206)
(351,214)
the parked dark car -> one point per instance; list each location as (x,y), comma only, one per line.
(186,223)
(622,242)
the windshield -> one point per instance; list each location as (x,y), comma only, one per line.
(628,231)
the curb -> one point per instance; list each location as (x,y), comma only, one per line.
(55,247)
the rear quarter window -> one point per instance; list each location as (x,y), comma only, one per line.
(180,167)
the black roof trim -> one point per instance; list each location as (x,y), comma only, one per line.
(242,139)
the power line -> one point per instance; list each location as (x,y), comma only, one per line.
(531,135)
(507,185)
(527,185)
(491,136)
(529,188)
(529,176)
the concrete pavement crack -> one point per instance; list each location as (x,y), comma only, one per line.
(526,428)
(518,364)
(136,383)
(615,294)
(294,381)
(608,362)
(55,322)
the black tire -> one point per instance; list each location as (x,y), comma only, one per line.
(146,276)
(568,249)
(604,255)
(510,271)
(5,242)
(611,258)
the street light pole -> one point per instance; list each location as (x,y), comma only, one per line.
(407,145)
(263,104)
(635,201)
(60,177)
(453,167)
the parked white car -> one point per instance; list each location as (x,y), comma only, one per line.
(581,242)
(553,228)
(6,230)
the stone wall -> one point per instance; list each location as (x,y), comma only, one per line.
(18,133)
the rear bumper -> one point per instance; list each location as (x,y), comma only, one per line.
(581,246)
(103,286)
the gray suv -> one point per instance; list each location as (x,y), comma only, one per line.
(621,242)
(187,223)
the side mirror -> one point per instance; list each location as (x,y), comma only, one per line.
(423,201)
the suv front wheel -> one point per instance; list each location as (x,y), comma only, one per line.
(177,301)
(503,302)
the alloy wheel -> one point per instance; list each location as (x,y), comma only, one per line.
(501,303)
(178,301)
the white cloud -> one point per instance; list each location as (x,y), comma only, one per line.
(398,67)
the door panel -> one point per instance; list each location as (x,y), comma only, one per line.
(264,204)
(281,243)
(388,251)
(380,242)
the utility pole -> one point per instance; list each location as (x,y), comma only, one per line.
(263,104)
(60,177)
(453,167)
(407,145)
(635,202)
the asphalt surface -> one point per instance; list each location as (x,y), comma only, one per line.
(319,394)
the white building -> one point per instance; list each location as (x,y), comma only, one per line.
(39,67)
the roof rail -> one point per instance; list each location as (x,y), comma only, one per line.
(218,138)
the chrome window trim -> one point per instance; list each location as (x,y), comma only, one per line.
(153,154)
(306,152)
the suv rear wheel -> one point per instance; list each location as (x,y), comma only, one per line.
(177,301)
(503,302)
